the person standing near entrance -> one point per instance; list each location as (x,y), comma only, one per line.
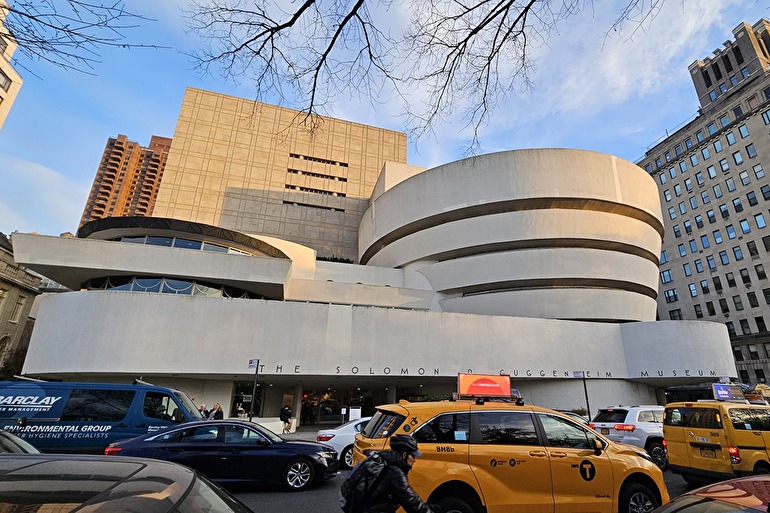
(285,417)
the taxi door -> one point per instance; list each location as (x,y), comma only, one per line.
(748,429)
(509,462)
(706,441)
(582,480)
(443,442)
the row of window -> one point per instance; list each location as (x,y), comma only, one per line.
(745,228)
(667,275)
(318,159)
(671,295)
(167,286)
(730,184)
(18,307)
(760,373)
(180,242)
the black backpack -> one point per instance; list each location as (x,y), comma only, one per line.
(354,491)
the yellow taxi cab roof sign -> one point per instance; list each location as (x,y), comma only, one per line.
(483,385)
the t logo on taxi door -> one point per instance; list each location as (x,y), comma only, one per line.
(587,470)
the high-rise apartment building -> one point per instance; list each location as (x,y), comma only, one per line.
(10,80)
(715,196)
(127,181)
(263,169)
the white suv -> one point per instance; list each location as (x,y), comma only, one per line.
(636,425)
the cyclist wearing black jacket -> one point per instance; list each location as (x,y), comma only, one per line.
(392,488)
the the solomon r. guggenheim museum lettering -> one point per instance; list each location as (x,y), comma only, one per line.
(520,373)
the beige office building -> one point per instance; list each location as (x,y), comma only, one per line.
(10,80)
(715,195)
(259,168)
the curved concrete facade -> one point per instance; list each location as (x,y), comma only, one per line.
(554,233)
(529,263)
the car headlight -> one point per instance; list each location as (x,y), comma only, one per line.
(327,455)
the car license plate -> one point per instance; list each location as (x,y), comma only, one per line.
(708,453)
(605,431)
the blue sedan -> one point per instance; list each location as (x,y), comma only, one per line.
(236,451)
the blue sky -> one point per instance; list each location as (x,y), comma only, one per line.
(616,96)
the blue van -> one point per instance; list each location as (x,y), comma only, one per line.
(86,417)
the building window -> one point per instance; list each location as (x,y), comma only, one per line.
(717,283)
(688,143)
(664,257)
(705,153)
(713,95)
(760,270)
(738,303)
(688,184)
(737,110)
(671,213)
(752,198)
(724,211)
(5,82)
(694,200)
(672,172)
(682,208)
(744,376)
(760,220)
(699,221)
(710,308)
(738,354)
(744,177)
(758,171)
(745,226)
(766,294)
(724,258)
(711,262)
(730,183)
(687,226)
(699,265)
(730,138)
(745,276)
(699,178)
(677,190)
(713,218)
(665,276)
(765,190)
(753,301)
(670,296)
(766,117)
(761,327)
(730,329)
(766,243)
(711,171)
(693,290)
(752,246)
(738,158)
(753,352)
(717,236)
(704,287)
(687,270)
(683,166)
(724,165)
(723,305)
(730,231)
(704,241)
(662,178)
(704,196)
(693,160)
(744,131)
(677,231)
(678,149)
(675,315)
(717,146)
(751,151)
(699,136)
(18,308)
(730,277)
(718,191)
(698,312)
(667,195)
(760,373)
(738,253)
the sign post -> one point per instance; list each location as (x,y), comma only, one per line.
(253,364)
(581,374)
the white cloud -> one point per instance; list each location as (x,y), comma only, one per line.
(35,198)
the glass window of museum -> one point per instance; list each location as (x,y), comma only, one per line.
(724,150)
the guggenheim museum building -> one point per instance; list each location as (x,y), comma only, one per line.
(356,279)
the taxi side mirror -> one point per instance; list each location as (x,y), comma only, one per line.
(598,446)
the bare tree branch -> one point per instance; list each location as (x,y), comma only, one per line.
(69,33)
(453,54)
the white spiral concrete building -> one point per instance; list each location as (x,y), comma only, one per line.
(541,264)
(557,233)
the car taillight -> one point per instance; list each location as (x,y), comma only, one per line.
(324,438)
(111,451)
(592,425)
(735,454)
(665,444)
(624,427)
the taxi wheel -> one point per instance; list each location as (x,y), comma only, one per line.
(298,475)
(637,498)
(454,505)
(761,468)
(658,455)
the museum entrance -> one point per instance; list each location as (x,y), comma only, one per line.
(334,407)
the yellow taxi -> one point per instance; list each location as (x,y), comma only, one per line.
(498,456)
(715,440)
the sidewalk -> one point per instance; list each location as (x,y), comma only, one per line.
(303,432)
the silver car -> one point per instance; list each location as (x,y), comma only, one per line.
(641,426)
(342,439)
